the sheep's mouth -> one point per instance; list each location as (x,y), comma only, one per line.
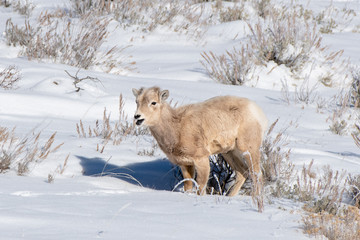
(139,122)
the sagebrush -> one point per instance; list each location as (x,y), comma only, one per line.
(235,67)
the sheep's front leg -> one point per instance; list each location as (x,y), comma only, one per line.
(188,172)
(202,167)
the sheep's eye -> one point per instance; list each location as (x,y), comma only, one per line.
(153,103)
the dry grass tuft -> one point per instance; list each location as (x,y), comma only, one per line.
(18,154)
(321,194)
(278,170)
(9,77)
(108,131)
(59,170)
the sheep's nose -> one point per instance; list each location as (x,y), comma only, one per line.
(137,116)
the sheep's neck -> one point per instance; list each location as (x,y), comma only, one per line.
(166,131)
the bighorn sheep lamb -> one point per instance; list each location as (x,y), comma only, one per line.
(189,134)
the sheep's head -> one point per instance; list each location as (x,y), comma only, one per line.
(149,103)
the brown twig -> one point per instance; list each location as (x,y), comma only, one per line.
(77,80)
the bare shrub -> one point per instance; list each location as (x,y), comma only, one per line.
(278,170)
(322,194)
(304,93)
(9,77)
(282,37)
(338,125)
(355,88)
(264,8)
(332,18)
(344,226)
(234,67)
(180,16)
(221,177)
(273,155)
(285,40)
(78,80)
(6,3)
(339,120)
(18,154)
(24,7)
(75,42)
(234,13)
(356,135)
(354,190)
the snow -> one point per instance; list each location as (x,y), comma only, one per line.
(118,194)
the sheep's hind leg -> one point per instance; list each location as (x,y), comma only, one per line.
(202,167)
(188,172)
(240,169)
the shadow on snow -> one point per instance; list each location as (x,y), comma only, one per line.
(159,174)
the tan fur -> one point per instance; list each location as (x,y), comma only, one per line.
(189,134)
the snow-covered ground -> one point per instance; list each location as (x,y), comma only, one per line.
(81,203)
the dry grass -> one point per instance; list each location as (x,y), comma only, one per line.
(234,13)
(147,15)
(321,194)
(278,170)
(275,159)
(109,131)
(319,191)
(77,42)
(9,77)
(344,226)
(59,170)
(285,37)
(18,154)
(340,116)
(24,7)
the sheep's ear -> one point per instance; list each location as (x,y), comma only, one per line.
(164,95)
(135,92)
